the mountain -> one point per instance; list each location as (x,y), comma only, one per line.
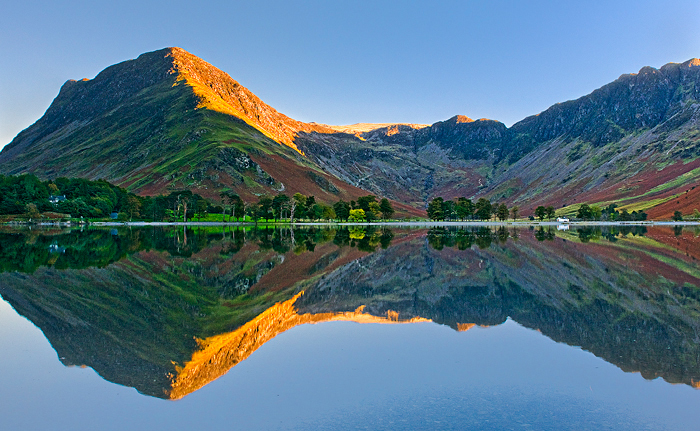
(169,120)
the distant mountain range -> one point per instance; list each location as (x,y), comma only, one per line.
(169,120)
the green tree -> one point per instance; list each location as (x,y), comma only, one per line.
(133,205)
(224,200)
(448,210)
(183,203)
(32,211)
(625,215)
(386,209)
(342,210)
(550,212)
(483,209)
(237,206)
(435,209)
(201,207)
(265,207)
(298,206)
(677,216)
(464,208)
(540,212)
(328,213)
(279,205)
(374,210)
(584,212)
(502,212)
(315,212)
(253,210)
(365,203)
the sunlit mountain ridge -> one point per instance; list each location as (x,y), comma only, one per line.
(169,120)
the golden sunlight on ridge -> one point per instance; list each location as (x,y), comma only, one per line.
(220,353)
(461,327)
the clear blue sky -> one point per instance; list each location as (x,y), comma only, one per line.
(348,62)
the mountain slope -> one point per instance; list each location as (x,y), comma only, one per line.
(169,120)
(637,134)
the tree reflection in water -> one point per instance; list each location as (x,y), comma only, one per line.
(140,305)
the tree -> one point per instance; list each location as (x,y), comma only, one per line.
(201,207)
(677,216)
(357,215)
(32,211)
(237,205)
(435,209)
(494,210)
(342,210)
(133,205)
(265,207)
(483,209)
(464,208)
(550,212)
(514,212)
(298,206)
(183,201)
(328,213)
(279,205)
(502,212)
(584,212)
(365,203)
(540,212)
(315,212)
(374,211)
(224,199)
(386,209)
(448,210)
(253,210)
(625,215)
(596,212)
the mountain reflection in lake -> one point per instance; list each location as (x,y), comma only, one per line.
(167,311)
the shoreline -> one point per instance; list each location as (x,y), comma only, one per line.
(409,223)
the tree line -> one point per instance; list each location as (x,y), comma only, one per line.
(609,213)
(26,194)
(77,197)
(301,207)
(463,209)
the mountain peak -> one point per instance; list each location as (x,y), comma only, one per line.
(461,119)
(693,62)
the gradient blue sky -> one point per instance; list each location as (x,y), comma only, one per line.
(349,62)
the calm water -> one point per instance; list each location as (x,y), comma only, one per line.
(530,329)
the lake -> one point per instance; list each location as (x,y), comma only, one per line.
(480,328)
